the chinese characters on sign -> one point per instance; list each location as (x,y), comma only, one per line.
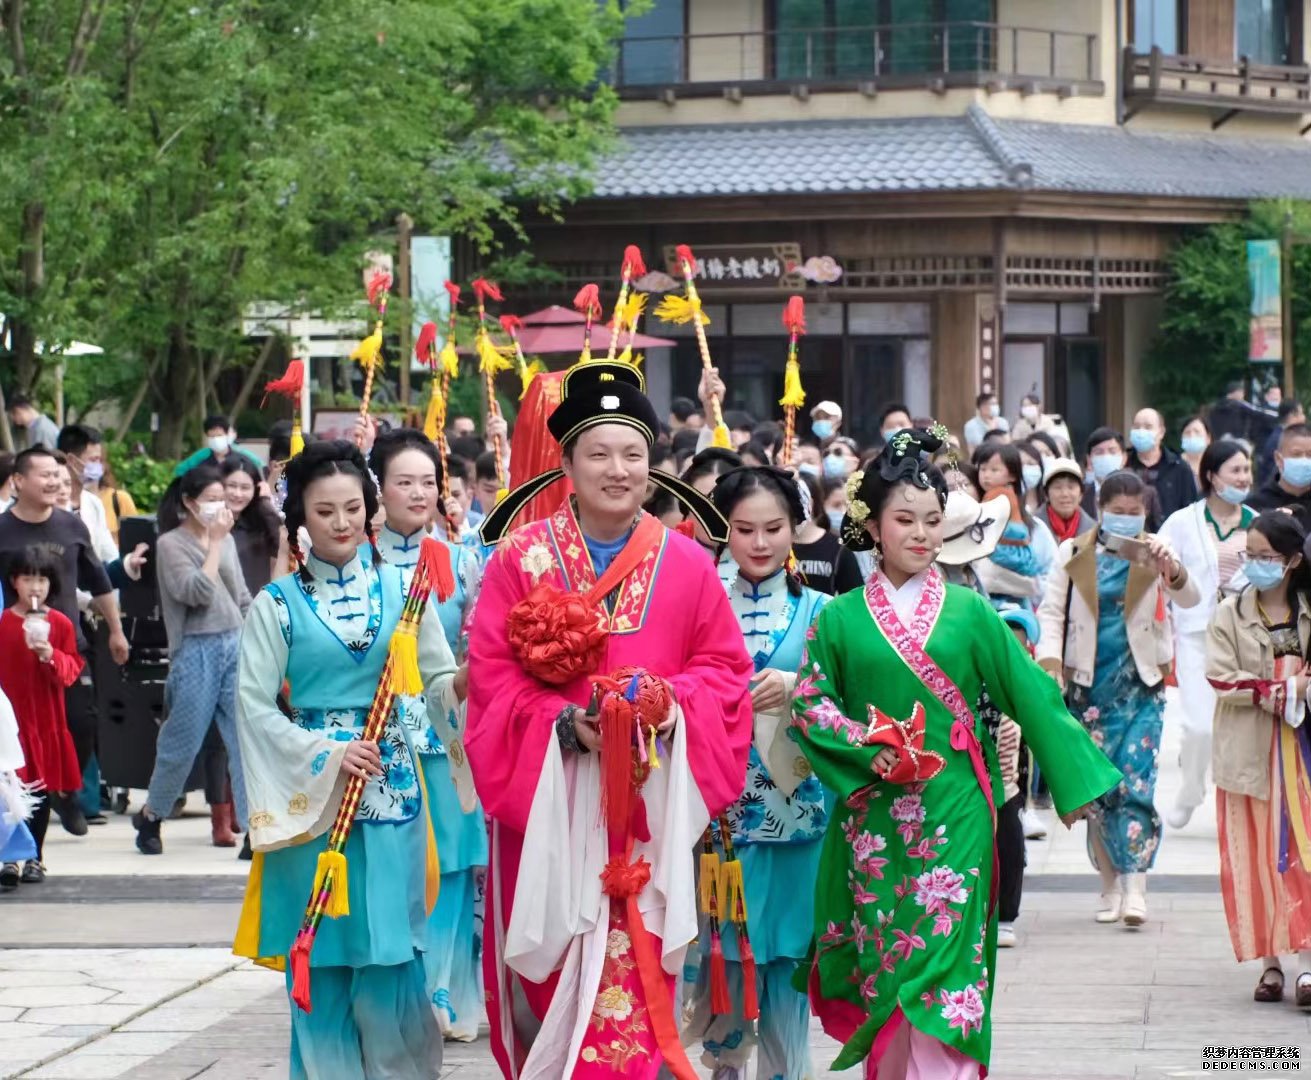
(773,266)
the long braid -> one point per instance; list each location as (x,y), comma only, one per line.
(373,544)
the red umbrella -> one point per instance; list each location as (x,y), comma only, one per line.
(553,316)
(540,339)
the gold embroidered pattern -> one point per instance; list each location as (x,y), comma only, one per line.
(300,803)
(632,598)
(619,1019)
(261,819)
(537,560)
(456,752)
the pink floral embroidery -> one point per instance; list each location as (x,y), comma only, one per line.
(859,934)
(963,1009)
(907,808)
(937,888)
(906,943)
(832,933)
(859,893)
(942,924)
(867,988)
(863,848)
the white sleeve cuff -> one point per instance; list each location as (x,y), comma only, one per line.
(1294,706)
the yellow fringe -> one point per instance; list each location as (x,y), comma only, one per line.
(297,437)
(680,309)
(449,359)
(709,883)
(585,357)
(527,373)
(721,438)
(632,310)
(653,758)
(501,493)
(432,420)
(734,891)
(404,657)
(339,899)
(792,392)
(369,351)
(490,358)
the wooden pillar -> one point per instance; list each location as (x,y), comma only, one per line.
(955,357)
(404,229)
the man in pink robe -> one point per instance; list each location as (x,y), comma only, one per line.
(580,970)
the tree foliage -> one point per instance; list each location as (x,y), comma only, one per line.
(162,165)
(1202,339)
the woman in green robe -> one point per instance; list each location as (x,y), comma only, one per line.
(901,965)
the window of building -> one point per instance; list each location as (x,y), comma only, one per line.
(1155,24)
(1261,31)
(652,51)
(817,39)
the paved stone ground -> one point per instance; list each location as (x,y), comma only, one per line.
(119,968)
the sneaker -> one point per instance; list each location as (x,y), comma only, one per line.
(148,841)
(97,819)
(1005,935)
(9,877)
(1178,816)
(70,815)
(1034,829)
(33,872)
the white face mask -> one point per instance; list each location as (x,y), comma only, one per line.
(207,512)
(1029,412)
(219,443)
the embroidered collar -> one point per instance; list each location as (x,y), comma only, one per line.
(332,574)
(905,599)
(389,538)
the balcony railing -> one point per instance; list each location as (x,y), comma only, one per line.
(1232,86)
(906,55)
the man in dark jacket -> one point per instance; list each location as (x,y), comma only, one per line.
(1160,469)
(1290,484)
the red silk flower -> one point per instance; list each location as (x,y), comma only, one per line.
(556,635)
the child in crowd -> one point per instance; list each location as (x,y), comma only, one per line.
(1016,569)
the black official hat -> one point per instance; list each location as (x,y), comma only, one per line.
(603,392)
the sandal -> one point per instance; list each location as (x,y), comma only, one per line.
(1303,990)
(1271,985)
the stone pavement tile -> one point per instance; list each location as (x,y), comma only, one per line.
(132,1043)
(151,924)
(1177,1034)
(171,1018)
(31,996)
(144,992)
(19,1052)
(100,1015)
(73,1067)
(1082,1034)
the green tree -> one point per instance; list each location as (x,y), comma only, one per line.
(1202,338)
(187,160)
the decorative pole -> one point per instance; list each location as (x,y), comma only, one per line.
(678,309)
(512,324)
(434,422)
(633,267)
(794,321)
(491,362)
(369,351)
(588,301)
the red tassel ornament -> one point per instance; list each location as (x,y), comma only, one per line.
(486,290)
(750,996)
(425,346)
(588,301)
(511,324)
(683,253)
(794,315)
(721,1004)
(291,383)
(300,973)
(453,291)
(633,265)
(379,284)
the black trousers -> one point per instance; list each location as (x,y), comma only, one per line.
(37,825)
(83,715)
(1010,858)
(214,759)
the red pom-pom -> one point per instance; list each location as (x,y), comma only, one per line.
(634,266)
(378,284)
(622,879)
(425,347)
(794,315)
(556,635)
(486,290)
(453,290)
(686,260)
(511,324)
(588,301)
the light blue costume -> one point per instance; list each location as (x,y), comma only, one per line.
(777,840)
(455,927)
(372,1015)
(1123,715)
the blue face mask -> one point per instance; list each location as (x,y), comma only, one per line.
(1123,524)
(835,466)
(1296,472)
(1032,476)
(1105,464)
(823,429)
(1193,444)
(1234,496)
(1142,439)
(807,469)
(1264,573)
(835,519)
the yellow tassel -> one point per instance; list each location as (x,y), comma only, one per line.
(680,309)
(501,493)
(449,359)
(527,373)
(709,883)
(432,420)
(733,890)
(722,439)
(585,357)
(368,351)
(792,392)
(652,756)
(297,437)
(490,358)
(339,899)
(632,310)
(404,656)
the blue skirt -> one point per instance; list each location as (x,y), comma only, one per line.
(16,843)
(461,837)
(780,901)
(385,873)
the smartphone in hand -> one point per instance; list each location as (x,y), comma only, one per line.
(1131,550)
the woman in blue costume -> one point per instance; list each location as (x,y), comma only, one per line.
(324,630)
(408,470)
(779,821)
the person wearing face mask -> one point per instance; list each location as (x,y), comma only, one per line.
(825,420)
(220,440)
(1290,483)
(1256,660)
(1210,537)
(1194,438)
(203,599)
(893,417)
(826,565)
(987,417)
(1107,640)
(1291,414)
(1161,469)
(1033,421)
(85,462)
(841,458)
(1031,464)
(1106,454)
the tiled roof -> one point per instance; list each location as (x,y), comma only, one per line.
(969,152)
